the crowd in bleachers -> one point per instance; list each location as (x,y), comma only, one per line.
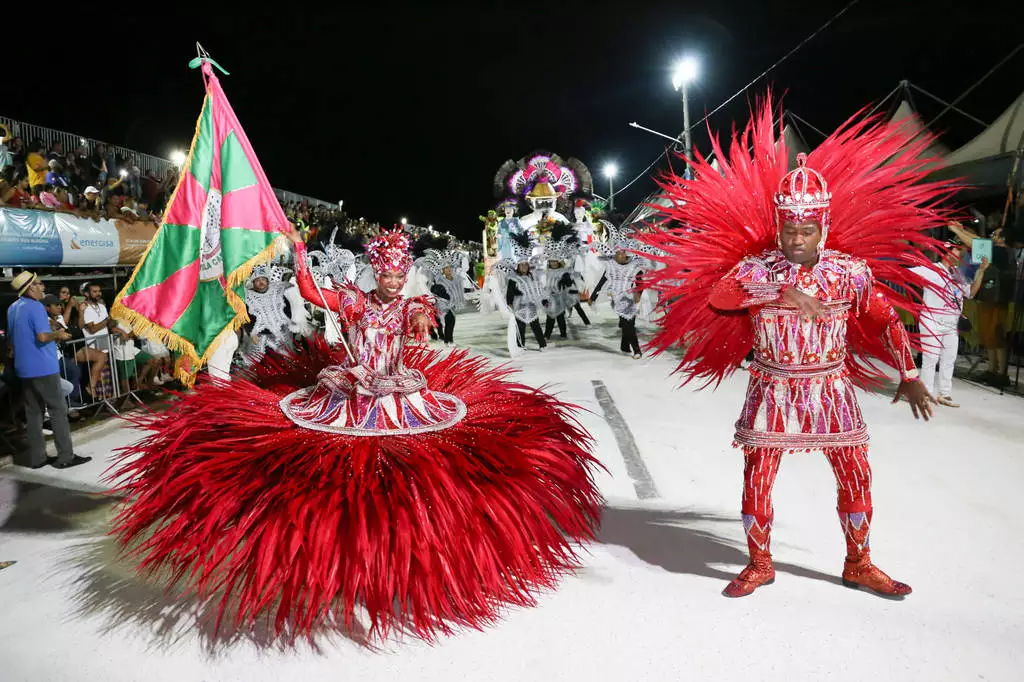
(98,180)
(91,180)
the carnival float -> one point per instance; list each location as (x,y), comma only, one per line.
(535,194)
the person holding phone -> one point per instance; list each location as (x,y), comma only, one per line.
(994,294)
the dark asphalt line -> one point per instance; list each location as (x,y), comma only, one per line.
(643,482)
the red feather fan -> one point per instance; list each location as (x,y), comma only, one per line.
(882,210)
(230,499)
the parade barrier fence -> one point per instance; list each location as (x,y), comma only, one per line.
(33,237)
(98,378)
(116,381)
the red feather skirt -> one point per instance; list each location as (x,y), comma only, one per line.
(422,533)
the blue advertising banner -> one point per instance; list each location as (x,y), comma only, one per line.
(29,238)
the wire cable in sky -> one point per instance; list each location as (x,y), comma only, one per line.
(747,86)
(968,91)
(643,173)
(776,64)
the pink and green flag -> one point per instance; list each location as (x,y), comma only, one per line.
(221,222)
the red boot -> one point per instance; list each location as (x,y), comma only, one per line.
(760,570)
(859,572)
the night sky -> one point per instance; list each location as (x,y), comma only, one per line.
(408,110)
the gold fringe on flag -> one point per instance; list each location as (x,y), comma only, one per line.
(190,363)
(242,273)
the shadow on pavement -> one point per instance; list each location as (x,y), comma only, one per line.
(30,507)
(131,605)
(679,542)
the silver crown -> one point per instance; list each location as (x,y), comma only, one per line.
(793,194)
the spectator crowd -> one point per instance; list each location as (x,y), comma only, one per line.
(97,181)
(93,182)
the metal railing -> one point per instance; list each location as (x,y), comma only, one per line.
(112,384)
(71,142)
(104,371)
(284,196)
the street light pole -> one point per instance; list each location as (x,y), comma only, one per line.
(684,73)
(687,142)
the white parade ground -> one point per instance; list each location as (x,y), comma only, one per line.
(647,604)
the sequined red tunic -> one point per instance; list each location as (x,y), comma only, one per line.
(379,395)
(800,394)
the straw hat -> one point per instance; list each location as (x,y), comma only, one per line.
(23,281)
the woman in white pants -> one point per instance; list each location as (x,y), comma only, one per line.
(939,323)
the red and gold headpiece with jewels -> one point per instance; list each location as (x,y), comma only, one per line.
(803,195)
(389,252)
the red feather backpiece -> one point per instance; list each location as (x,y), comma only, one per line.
(882,210)
(228,498)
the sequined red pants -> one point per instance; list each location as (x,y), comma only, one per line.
(850,466)
(853,484)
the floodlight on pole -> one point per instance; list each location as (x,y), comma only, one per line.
(684,72)
(178,157)
(404,221)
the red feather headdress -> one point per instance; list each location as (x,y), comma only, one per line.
(389,252)
(881,211)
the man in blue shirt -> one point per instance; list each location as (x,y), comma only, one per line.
(35,363)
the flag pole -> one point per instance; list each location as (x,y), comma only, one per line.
(203,56)
(333,319)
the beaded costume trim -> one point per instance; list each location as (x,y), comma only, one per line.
(287,402)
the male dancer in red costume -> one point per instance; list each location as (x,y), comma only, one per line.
(809,311)
(799,396)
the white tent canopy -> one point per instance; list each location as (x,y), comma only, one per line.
(1004,136)
(795,143)
(644,211)
(907,118)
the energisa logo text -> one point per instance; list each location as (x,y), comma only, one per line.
(93,243)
